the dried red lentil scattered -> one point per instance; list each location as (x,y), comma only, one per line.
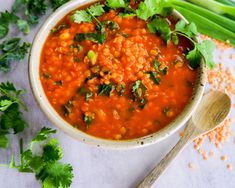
(220,78)
(224,158)
(229,167)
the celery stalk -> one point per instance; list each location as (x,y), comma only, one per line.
(215,6)
(206,26)
(220,20)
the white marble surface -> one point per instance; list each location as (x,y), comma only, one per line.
(103,168)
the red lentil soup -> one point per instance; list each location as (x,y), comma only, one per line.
(127,86)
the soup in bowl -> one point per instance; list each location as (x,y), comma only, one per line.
(106,79)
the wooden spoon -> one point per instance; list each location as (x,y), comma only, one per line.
(212,110)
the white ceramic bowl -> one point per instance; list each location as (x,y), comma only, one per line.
(34,63)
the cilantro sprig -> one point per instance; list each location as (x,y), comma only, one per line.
(11,50)
(45,164)
(88,14)
(11,119)
(200,50)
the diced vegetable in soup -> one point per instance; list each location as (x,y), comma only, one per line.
(112,78)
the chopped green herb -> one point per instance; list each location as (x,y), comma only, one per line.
(111,25)
(88,94)
(121,89)
(105,89)
(164,71)
(59,83)
(98,37)
(77,46)
(77,59)
(68,108)
(156,65)
(143,102)
(87,120)
(154,77)
(59,28)
(46,75)
(92,56)
(138,92)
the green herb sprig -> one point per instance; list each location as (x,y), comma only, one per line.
(10,115)
(45,164)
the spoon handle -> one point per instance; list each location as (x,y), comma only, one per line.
(156,172)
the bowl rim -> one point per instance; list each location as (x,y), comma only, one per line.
(60,123)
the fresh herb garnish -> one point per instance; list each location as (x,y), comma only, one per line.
(23,26)
(98,37)
(46,165)
(88,14)
(87,120)
(139,92)
(68,108)
(46,75)
(10,114)
(57,3)
(59,83)
(12,51)
(59,28)
(111,25)
(154,77)
(88,94)
(105,89)
(117,3)
(148,8)
(203,50)
(5,19)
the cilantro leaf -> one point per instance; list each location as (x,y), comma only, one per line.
(138,93)
(154,77)
(52,151)
(116,3)
(88,14)
(96,10)
(87,120)
(45,165)
(10,114)
(12,51)
(161,26)
(57,3)
(98,37)
(148,8)
(12,119)
(3,30)
(105,89)
(9,92)
(23,26)
(4,104)
(43,134)
(188,29)
(81,16)
(56,175)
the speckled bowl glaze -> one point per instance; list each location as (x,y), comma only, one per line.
(34,63)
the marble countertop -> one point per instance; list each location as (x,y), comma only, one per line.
(104,168)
